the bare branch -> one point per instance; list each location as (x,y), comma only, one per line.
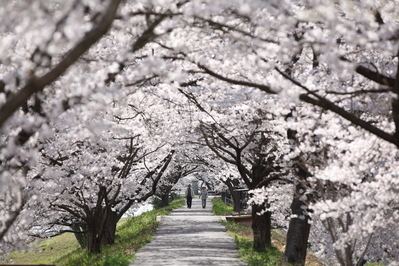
(358,92)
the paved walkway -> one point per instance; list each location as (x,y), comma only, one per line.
(190,237)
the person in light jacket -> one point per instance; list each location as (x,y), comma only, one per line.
(189,196)
(204,196)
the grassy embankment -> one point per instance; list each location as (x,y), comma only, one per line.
(244,238)
(132,234)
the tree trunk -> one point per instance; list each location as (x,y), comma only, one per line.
(298,234)
(164,200)
(110,229)
(94,239)
(261,226)
(81,234)
(231,186)
(89,235)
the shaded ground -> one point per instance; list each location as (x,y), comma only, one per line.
(190,237)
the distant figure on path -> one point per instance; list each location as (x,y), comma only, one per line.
(204,196)
(189,196)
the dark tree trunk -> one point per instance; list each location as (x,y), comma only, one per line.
(93,236)
(110,229)
(94,239)
(231,185)
(81,234)
(261,226)
(164,200)
(298,233)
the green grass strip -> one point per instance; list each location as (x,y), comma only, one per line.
(220,208)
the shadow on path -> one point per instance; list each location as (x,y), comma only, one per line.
(190,237)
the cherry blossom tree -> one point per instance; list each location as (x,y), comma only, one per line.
(257,167)
(29,62)
(46,63)
(89,199)
(92,172)
(340,56)
(239,133)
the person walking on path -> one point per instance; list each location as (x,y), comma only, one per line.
(189,196)
(204,196)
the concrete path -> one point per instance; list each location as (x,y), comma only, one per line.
(190,237)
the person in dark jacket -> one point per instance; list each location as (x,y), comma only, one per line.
(189,196)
